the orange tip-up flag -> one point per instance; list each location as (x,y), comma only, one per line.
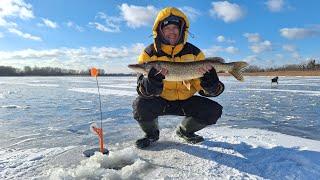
(94,72)
(95,129)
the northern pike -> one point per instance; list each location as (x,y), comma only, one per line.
(183,71)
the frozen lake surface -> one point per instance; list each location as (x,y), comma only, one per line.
(49,112)
(59,107)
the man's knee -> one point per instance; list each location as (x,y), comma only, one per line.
(140,109)
(216,114)
(212,113)
(145,109)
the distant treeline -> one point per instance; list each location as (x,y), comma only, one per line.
(51,71)
(39,71)
(311,65)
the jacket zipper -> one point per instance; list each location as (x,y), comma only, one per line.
(172,56)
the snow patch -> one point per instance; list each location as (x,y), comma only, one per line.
(43,85)
(285,90)
(120,86)
(104,91)
(33,84)
(12,106)
(82,109)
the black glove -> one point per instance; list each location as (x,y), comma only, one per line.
(152,85)
(210,81)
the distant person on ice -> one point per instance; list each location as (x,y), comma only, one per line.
(158,97)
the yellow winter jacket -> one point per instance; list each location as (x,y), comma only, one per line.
(183,52)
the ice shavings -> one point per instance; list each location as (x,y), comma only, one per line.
(123,164)
(20,164)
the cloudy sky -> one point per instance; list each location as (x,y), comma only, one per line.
(110,34)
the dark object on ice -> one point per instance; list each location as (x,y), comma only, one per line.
(274,80)
(90,152)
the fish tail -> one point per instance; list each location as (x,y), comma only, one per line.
(238,67)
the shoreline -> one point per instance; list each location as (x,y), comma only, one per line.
(271,73)
(280,73)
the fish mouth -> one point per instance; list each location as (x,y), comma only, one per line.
(140,68)
(134,66)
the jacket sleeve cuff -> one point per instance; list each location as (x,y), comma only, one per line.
(142,92)
(213,92)
(147,89)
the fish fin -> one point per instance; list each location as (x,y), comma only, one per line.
(159,72)
(187,84)
(215,59)
(237,70)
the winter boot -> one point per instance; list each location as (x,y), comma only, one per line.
(151,133)
(187,129)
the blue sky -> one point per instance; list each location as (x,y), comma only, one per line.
(79,34)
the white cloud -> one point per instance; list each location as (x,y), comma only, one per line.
(251,58)
(191,13)
(290,48)
(4,23)
(110,58)
(212,51)
(279,56)
(257,44)
(296,55)
(71,24)
(104,28)
(275,5)
(49,23)
(261,47)
(24,35)
(231,50)
(228,12)
(215,50)
(32,54)
(138,16)
(15,9)
(110,52)
(221,38)
(252,37)
(110,24)
(299,33)
(137,48)
(293,50)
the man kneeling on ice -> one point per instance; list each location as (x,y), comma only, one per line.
(158,97)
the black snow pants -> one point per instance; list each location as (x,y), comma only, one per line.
(204,110)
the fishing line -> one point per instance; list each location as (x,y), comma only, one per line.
(99,102)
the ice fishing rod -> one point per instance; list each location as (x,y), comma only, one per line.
(97,72)
(93,127)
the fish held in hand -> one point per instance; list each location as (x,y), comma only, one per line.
(181,71)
